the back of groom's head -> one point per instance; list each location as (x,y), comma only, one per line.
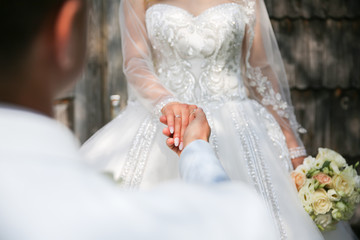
(20,21)
(42,48)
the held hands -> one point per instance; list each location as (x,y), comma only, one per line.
(178,116)
(198,129)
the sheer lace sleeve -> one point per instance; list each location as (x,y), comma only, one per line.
(264,71)
(142,81)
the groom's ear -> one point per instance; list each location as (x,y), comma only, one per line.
(70,36)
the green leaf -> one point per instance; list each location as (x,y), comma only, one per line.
(356,165)
(316,185)
(326,164)
(320,227)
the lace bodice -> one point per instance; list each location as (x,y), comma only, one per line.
(198,57)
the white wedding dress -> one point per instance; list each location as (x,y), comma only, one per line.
(205,60)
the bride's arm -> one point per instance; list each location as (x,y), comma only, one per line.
(138,64)
(139,69)
(266,78)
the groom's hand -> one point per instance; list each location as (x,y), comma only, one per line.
(198,129)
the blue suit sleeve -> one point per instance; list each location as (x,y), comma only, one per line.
(199,164)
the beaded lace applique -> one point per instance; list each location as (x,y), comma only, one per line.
(257,167)
(136,159)
(198,57)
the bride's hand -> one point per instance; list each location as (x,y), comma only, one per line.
(297,161)
(198,129)
(177,117)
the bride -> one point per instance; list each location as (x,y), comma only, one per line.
(222,56)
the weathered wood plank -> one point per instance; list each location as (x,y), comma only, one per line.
(332,118)
(313,8)
(89,111)
(320,53)
(115,83)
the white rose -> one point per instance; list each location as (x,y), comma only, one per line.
(333,195)
(343,184)
(309,162)
(350,172)
(310,185)
(305,197)
(335,168)
(323,220)
(321,202)
(328,154)
(319,163)
(302,169)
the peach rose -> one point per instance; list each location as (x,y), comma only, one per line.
(323,178)
(299,179)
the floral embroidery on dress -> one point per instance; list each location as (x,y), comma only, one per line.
(268,95)
(210,42)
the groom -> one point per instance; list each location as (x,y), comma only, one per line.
(46,192)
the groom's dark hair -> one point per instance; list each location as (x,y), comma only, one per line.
(20,22)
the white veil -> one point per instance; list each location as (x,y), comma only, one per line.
(264,70)
(262,64)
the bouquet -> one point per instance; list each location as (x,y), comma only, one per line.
(329,189)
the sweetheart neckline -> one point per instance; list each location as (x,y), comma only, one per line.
(189,13)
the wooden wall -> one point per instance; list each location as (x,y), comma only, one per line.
(88,106)
(320,44)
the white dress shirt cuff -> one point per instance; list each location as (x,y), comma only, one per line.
(199,164)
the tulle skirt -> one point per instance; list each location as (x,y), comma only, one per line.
(247,140)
